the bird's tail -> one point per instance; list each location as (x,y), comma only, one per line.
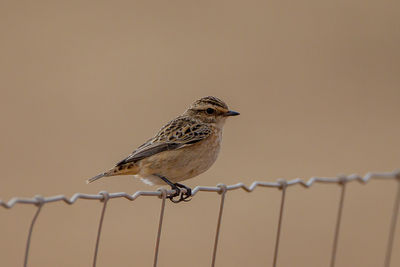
(125,169)
(101,175)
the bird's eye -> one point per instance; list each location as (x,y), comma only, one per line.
(210,111)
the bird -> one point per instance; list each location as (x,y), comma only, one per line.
(182,149)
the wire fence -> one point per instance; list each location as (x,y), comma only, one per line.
(222,189)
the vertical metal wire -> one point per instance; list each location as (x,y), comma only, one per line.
(103,211)
(221,208)
(338,221)
(392,231)
(163,197)
(28,241)
(278,232)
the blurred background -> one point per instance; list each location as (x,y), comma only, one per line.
(83,83)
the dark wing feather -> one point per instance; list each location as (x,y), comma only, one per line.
(147,152)
(176,134)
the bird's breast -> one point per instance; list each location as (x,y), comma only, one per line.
(184,163)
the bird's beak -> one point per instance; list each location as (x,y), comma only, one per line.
(231,113)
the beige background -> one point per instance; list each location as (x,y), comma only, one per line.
(83,83)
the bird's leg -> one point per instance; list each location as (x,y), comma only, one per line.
(173,187)
(185,196)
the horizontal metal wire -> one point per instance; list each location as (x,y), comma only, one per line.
(39,200)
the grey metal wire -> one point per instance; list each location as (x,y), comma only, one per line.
(221,189)
(278,232)
(338,221)
(392,231)
(103,211)
(28,241)
(163,197)
(221,209)
(297,181)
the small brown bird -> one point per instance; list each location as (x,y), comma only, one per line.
(184,148)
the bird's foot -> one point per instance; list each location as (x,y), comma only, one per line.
(186,197)
(177,193)
(183,196)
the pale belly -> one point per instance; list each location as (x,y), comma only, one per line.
(181,164)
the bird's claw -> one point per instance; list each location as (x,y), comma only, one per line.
(177,193)
(186,197)
(183,196)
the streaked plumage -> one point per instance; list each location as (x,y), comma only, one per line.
(182,149)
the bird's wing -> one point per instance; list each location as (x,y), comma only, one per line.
(176,134)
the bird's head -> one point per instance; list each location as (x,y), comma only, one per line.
(210,109)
